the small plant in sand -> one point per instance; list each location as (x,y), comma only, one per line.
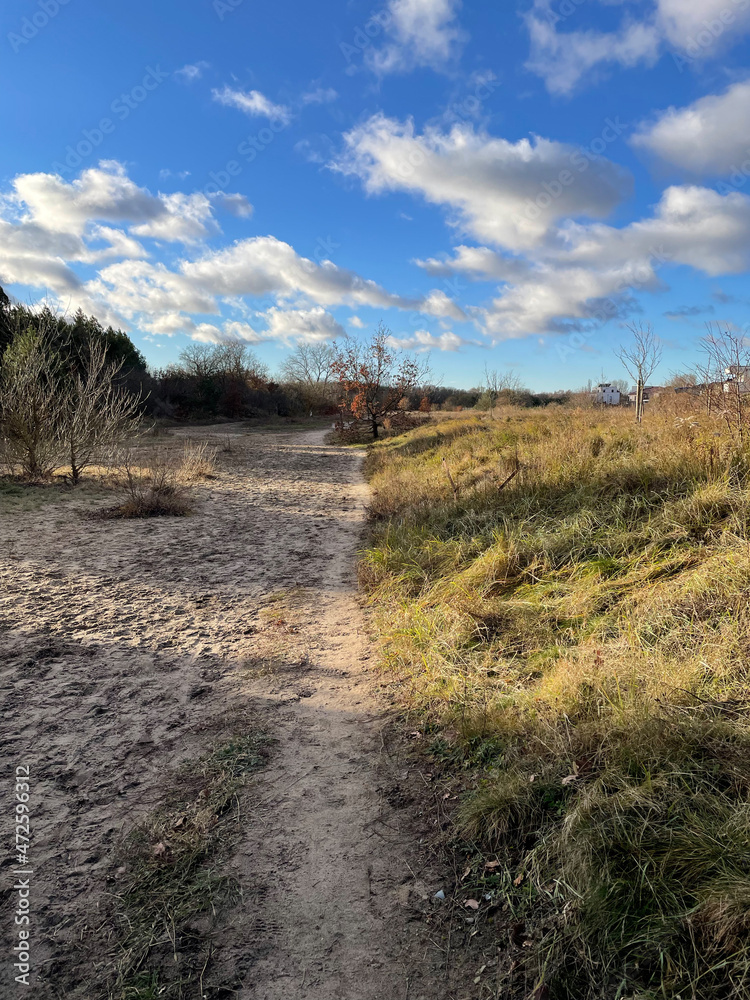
(157,483)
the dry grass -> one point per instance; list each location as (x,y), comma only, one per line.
(579,636)
(170,880)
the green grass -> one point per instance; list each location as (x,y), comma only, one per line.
(19,497)
(579,639)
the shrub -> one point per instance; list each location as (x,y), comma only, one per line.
(159,489)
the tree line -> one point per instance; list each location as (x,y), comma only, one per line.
(70,387)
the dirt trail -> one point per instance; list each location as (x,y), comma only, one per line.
(124,648)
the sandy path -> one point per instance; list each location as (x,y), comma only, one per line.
(125,646)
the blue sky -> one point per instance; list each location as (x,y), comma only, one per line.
(506,184)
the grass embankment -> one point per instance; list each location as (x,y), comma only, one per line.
(579,641)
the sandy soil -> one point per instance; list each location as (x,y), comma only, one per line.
(127,646)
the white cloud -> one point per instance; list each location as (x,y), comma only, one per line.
(423,340)
(696,29)
(319,95)
(478,263)
(596,267)
(47,225)
(422,33)
(438,303)
(106,194)
(704,138)
(253,103)
(356,322)
(562,59)
(495,187)
(191,71)
(703,26)
(165,173)
(186,218)
(302,325)
(237,204)
(264,265)
(231,330)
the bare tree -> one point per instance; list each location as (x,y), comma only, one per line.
(29,403)
(231,359)
(95,413)
(728,370)
(309,369)
(498,384)
(641,359)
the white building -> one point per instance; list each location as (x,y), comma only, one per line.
(606,394)
(737,375)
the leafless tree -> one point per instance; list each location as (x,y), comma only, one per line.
(95,414)
(728,367)
(231,359)
(309,369)
(499,384)
(641,359)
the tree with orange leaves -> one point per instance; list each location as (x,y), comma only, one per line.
(374,377)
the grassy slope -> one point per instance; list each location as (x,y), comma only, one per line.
(579,640)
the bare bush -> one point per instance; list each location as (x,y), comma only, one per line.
(95,414)
(30,407)
(727,365)
(154,490)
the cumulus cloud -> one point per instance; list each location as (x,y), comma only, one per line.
(253,103)
(302,325)
(106,194)
(596,268)
(187,218)
(264,265)
(421,33)
(698,29)
(102,219)
(562,59)
(501,192)
(703,26)
(237,204)
(423,340)
(703,138)
(477,263)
